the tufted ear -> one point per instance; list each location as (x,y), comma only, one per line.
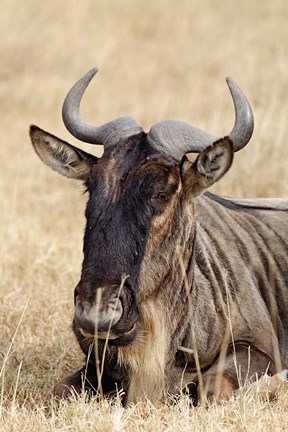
(209,167)
(62,157)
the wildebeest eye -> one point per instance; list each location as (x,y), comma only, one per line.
(163,196)
(159,201)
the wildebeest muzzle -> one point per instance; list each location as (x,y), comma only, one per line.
(110,314)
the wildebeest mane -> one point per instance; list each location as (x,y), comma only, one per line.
(256,204)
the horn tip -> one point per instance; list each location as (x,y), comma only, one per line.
(92,72)
(94,69)
(230,81)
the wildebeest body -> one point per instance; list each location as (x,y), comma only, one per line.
(247,276)
(179,288)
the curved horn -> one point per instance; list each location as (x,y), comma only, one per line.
(244,120)
(177,138)
(108,133)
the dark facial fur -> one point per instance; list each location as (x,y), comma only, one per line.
(129,185)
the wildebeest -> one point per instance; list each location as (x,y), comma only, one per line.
(179,288)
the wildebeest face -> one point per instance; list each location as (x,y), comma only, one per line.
(133,192)
(128,187)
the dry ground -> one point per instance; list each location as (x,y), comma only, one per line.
(158,60)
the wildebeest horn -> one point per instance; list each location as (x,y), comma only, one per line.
(177,138)
(108,133)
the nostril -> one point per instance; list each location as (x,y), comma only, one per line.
(85,325)
(76,294)
(79,310)
(84,314)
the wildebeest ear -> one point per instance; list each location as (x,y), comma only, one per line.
(68,160)
(210,166)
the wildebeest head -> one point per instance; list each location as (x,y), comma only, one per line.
(136,190)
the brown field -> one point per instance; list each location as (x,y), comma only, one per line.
(158,60)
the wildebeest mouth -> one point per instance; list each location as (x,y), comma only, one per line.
(108,335)
(99,335)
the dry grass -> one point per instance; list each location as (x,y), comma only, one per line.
(158,60)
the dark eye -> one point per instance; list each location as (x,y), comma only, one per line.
(162,196)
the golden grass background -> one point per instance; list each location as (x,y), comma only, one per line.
(158,60)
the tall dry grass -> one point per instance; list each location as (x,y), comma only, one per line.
(158,60)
